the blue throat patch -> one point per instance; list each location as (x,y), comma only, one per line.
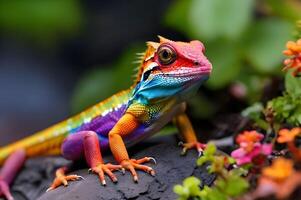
(160,87)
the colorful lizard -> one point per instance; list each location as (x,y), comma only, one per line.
(169,73)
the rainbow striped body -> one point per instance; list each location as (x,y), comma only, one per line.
(99,118)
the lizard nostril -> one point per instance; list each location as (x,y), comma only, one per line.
(196,63)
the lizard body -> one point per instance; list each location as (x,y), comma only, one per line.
(49,141)
(169,73)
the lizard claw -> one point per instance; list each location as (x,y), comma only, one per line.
(145,159)
(81,177)
(180,144)
(123,171)
(4,190)
(103,169)
(134,164)
(197,145)
(153,159)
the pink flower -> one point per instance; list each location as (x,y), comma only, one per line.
(244,156)
(250,147)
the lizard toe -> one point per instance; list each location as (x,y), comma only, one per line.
(103,169)
(133,164)
(63,180)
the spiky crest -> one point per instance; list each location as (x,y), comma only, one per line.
(143,57)
(163,39)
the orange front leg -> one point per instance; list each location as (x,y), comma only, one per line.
(125,126)
(184,125)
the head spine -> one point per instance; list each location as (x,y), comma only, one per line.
(144,57)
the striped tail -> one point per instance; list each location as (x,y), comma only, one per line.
(45,142)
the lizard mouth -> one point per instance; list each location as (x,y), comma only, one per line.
(205,70)
(190,72)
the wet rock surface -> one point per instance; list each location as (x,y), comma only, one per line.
(171,169)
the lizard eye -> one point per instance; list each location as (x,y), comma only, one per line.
(166,55)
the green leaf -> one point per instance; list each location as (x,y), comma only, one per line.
(226,65)
(264,44)
(215,194)
(208,154)
(190,188)
(298,116)
(211,19)
(292,84)
(235,186)
(221,183)
(240,171)
(287,109)
(202,160)
(254,111)
(180,190)
(210,149)
(204,192)
(191,181)
(231,160)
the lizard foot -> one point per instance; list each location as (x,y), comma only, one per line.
(62,179)
(4,190)
(133,164)
(190,145)
(101,169)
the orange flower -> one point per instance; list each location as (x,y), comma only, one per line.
(249,136)
(280,169)
(283,189)
(286,135)
(294,52)
(247,139)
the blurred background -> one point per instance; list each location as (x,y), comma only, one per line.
(58,57)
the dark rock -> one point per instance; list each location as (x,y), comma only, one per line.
(171,169)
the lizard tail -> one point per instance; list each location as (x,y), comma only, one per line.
(45,142)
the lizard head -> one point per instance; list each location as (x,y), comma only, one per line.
(171,68)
